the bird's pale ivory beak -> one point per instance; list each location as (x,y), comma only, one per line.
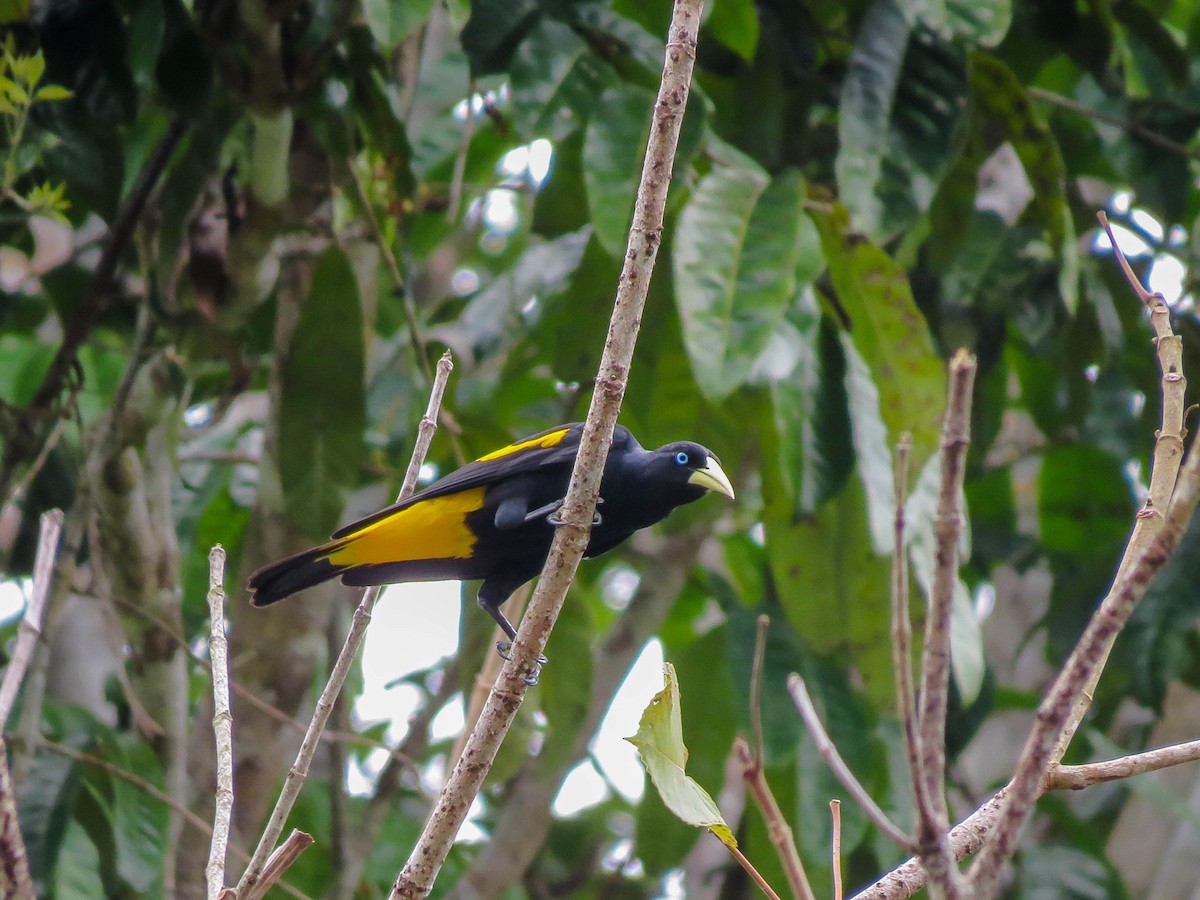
(712,478)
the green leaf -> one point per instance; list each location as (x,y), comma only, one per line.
(659,741)
(865,106)
(735,24)
(77,875)
(44,801)
(889,332)
(1002,111)
(809,415)
(322,413)
(832,586)
(33,69)
(53,91)
(871,447)
(493,32)
(565,701)
(613,148)
(738,246)
(391,22)
(556,81)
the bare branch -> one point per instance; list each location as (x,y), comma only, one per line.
(31,624)
(570,539)
(222,722)
(281,860)
(837,765)
(16,882)
(1164,472)
(778,829)
(1075,778)
(835,812)
(1077,673)
(298,773)
(935,663)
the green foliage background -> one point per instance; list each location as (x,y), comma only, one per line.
(861,188)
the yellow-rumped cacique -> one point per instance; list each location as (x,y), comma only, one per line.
(493,519)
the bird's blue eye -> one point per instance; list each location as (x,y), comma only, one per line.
(681,457)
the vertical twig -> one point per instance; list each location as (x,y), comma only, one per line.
(460,159)
(933,821)
(756,670)
(31,624)
(835,812)
(222,722)
(935,668)
(570,539)
(902,632)
(751,761)
(298,773)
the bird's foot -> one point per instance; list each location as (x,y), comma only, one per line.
(554,519)
(504,648)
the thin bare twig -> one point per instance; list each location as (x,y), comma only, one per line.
(812,721)
(222,723)
(280,861)
(902,632)
(756,669)
(1075,778)
(778,830)
(31,624)
(298,773)
(1150,137)
(762,883)
(460,159)
(570,539)
(835,812)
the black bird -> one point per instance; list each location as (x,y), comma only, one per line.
(494,519)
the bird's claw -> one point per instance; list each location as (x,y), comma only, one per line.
(504,648)
(554,520)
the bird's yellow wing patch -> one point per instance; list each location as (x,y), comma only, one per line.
(544,441)
(430,529)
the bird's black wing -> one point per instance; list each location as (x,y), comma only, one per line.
(555,446)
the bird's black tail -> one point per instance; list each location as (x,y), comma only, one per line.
(287,576)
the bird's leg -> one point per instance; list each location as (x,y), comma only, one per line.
(490,602)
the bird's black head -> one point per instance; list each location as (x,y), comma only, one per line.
(686,471)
